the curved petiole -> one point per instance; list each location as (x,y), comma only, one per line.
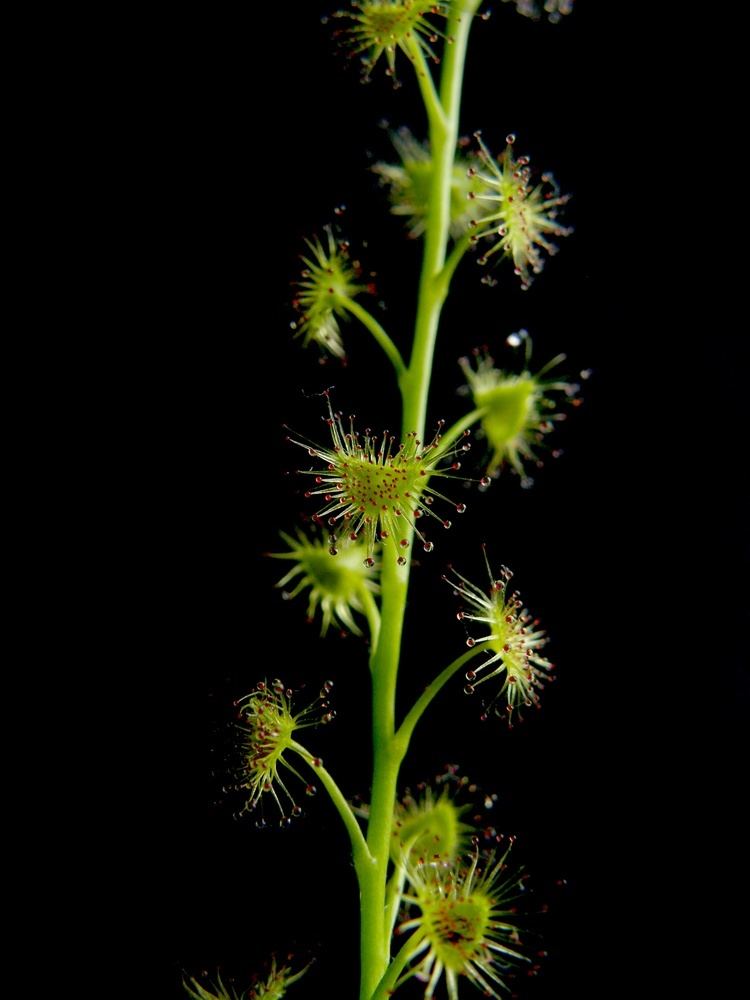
(368,320)
(405,730)
(359,845)
(387,985)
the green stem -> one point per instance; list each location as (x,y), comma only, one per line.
(404,734)
(375,948)
(359,845)
(388,751)
(368,320)
(432,287)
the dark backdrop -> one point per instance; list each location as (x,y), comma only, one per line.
(599,785)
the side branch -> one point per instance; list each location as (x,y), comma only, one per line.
(359,845)
(455,431)
(369,321)
(433,107)
(391,980)
(405,730)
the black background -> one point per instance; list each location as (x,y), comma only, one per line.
(631,760)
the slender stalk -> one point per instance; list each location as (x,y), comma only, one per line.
(359,846)
(376,329)
(442,112)
(455,431)
(390,979)
(433,107)
(404,734)
(454,259)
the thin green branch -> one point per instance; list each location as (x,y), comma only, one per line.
(455,431)
(455,257)
(390,980)
(433,107)
(404,734)
(375,328)
(359,845)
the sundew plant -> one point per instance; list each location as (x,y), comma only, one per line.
(441,898)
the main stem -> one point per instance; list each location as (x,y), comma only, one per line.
(415,385)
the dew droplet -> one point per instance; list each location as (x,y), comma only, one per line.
(485,481)
(471,642)
(401,561)
(469,689)
(428,546)
(510,138)
(311,790)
